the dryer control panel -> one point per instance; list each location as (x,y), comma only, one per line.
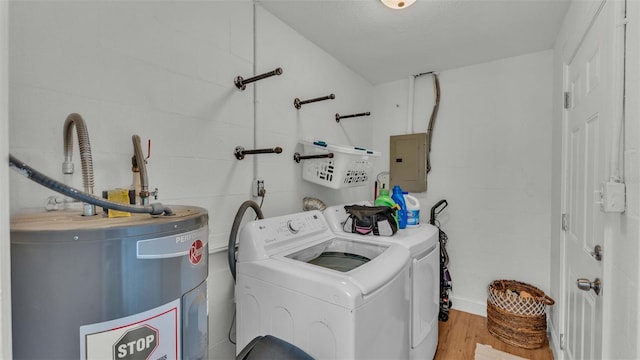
(262,238)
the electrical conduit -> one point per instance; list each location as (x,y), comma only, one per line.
(85,156)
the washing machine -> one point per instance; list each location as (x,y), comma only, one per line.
(333,297)
(424,247)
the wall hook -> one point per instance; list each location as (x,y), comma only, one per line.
(338,116)
(241,152)
(242,83)
(298,103)
(297,157)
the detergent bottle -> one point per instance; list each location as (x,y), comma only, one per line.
(413,210)
(398,197)
(384,199)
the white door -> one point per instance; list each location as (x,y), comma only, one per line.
(590,107)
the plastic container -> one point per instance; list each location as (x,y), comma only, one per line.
(413,210)
(384,199)
(350,165)
(398,197)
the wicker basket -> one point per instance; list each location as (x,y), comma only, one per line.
(517,320)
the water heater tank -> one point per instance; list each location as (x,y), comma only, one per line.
(93,287)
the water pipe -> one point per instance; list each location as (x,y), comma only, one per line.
(297,157)
(297,103)
(240,151)
(241,83)
(338,116)
(38,177)
(142,167)
(85,156)
(410,99)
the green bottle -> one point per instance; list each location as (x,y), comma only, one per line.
(385,200)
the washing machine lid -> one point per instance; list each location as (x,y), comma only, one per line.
(339,254)
(364,264)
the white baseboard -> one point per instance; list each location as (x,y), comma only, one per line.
(470,306)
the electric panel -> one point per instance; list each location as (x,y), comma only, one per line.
(408,162)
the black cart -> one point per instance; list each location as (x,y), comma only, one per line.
(445,277)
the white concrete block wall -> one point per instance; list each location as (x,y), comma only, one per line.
(161,70)
(164,71)
(491,161)
(308,73)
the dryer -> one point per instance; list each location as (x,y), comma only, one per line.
(424,247)
(333,297)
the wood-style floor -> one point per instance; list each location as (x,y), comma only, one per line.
(457,339)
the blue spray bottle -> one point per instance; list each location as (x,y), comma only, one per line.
(398,197)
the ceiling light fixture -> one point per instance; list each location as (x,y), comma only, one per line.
(398,4)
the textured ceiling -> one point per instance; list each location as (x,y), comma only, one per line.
(432,35)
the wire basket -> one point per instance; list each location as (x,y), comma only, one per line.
(516,319)
(350,166)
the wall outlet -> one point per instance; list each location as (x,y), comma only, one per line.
(258,187)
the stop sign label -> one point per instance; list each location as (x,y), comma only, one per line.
(136,344)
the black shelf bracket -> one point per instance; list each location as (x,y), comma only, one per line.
(297,103)
(240,152)
(338,116)
(242,83)
(297,157)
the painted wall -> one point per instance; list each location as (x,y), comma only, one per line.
(626,267)
(622,268)
(621,315)
(308,73)
(165,70)
(170,80)
(5,261)
(491,161)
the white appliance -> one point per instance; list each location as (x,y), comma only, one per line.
(424,246)
(94,287)
(335,298)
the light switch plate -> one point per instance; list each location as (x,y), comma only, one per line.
(613,197)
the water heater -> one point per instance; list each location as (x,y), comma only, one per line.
(93,287)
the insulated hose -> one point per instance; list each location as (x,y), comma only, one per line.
(309,203)
(232,257)
(85,149)
(38,177)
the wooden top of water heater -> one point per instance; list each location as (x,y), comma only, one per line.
(73,219)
